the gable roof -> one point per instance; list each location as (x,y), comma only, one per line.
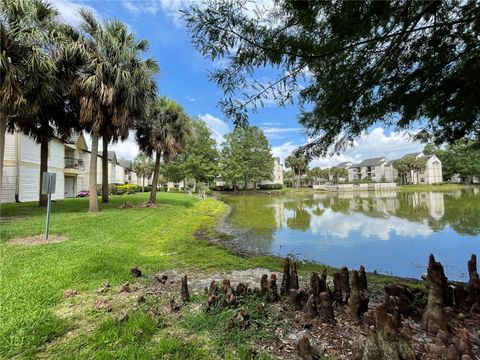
(126,164)
(111,156)
(415,154)
(373,161)
(344,164)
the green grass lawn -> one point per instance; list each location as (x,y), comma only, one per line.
(433,187)
(99,247)
(104,247)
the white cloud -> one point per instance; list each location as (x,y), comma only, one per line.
(218,127)
(279,132)
(68,10)
(191,98)
(171,8)
(127,149)
(376,143)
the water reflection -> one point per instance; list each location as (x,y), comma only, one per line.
(390,231)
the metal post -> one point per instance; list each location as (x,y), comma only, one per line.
(48,208)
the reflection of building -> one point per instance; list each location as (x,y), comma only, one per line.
(434,201)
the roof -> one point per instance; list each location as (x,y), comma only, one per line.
(373,161)
(126,164)
(344,164)
(111,155)
(73,138)
(415,154)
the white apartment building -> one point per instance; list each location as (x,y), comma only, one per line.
(381,169)
(69,160)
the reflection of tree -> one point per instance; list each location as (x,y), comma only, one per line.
(318,211)
(462,214)
(301,217)
(300,220)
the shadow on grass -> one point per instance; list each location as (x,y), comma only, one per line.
(80,205)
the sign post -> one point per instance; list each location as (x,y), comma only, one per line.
(48,188)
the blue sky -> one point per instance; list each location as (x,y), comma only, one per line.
(184,77)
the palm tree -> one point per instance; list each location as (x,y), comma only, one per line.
(32,76)
(114,87)
(299,165)
(163,131)
(143,166)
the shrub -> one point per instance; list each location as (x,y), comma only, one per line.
(125,189)
(270,186)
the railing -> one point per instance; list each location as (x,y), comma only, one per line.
(72,163)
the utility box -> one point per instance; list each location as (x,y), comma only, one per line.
(48,183)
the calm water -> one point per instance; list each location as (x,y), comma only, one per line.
(390,232)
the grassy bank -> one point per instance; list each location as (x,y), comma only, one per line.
(36,320)
(433,187)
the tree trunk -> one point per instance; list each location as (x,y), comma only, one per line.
(105,170)
(298,181)
(92,197)
(3,130)
(143,184)
(153,192)
(42,199)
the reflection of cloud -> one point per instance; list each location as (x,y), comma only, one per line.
(334,224)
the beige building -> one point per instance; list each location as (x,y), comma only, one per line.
(381,169)
(69,160)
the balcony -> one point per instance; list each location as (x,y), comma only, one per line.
(74,164)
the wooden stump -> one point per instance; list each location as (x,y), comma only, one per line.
(473,285)
(326,308)
(264,284)
(213,289)
(386,341)
(337,287)
(315,284)
(323,281)
(273,288)
(356,302)
(297,298)
(226,287)
(362,279)
(434,318)
(136,272)
(285,287)
(184,294)
(242,289)
(305,350)
(211,301)
(294,277)
(311,307)
(345,283)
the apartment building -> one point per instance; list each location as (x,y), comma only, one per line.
(69,160)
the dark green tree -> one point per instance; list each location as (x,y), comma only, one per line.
(246,157)
(461,158)
(199,160)
(351,64)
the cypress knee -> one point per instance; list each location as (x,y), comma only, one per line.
(326,308)
(434,318)
(285,287)
(273,288)
(185,296)
(294,277)
(264,284)
(362,278)
(311,307)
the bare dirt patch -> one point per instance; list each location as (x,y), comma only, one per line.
(38,240)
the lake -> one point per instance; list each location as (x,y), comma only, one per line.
(390,232)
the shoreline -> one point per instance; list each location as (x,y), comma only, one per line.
(219,236)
